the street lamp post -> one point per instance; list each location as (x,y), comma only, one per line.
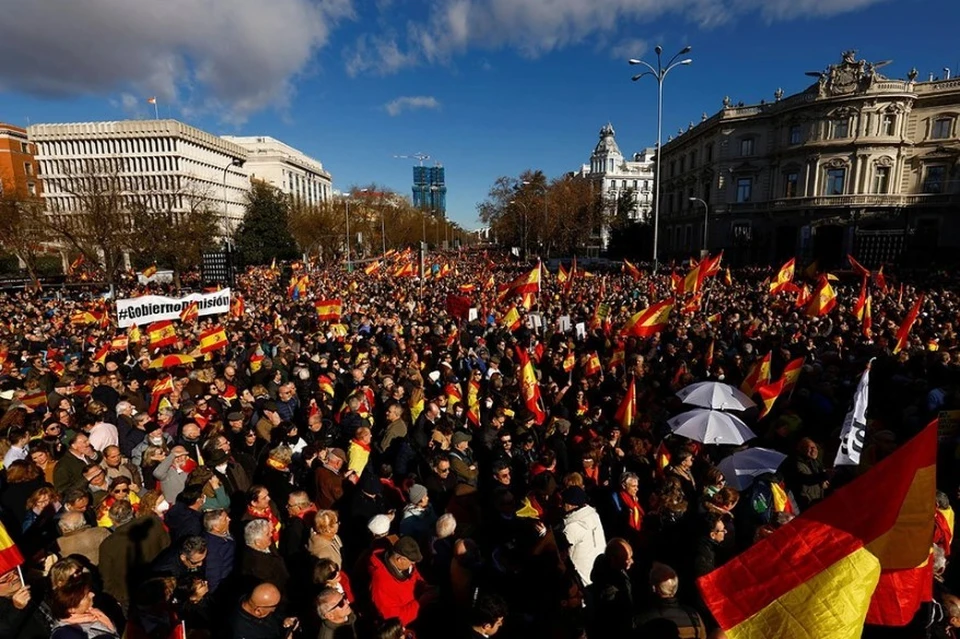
(523,236)
(659,73)
(227,227)
(346,219)
(706,220)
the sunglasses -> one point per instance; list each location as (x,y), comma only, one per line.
(121,491)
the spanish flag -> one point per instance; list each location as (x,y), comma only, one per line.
(727,278)
(569,361)
(838,564)
(694,279)
(101,355)
(161,333)
(627,411)
(372,267)
(632,270)
(85,318)
(511,321)
(791,373)
(326,385)
(453,394)
(473,402)
(618,358)
(861,302)
(329,310)
(407,270)
(712,265)
(190,313)
(160,388)
(824,299)
(758,376)
(649,321)
(34,399)
(857,267)
(903,333)
(592,365)
(120,343)
(10,556)
(529,387)
(134,334)
(528,283)
(784,275)
(867,326)
(212,339)
(768,396)
(803,296)
(149,272)
(237,306)
(467,288)
(562,275)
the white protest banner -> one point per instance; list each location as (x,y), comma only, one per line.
(854,430)
(563,322)
(153,308)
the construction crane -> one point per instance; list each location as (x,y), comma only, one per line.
(416,156)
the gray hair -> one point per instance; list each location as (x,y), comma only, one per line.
(282,454)
(255,530)
(446,525)
(121,512)
(72,521)
(212,517)
(123,406)
(625,477)
(664,580)
(168,412)
(327,600)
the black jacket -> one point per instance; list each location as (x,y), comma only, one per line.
(183,521)
(264,566)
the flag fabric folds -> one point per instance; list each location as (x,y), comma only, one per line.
(10,556)
(903,333)
(821,575)
(161,333)
(213,339)
(758,376)
(649,321)
(627,411)
(529,387)
(784,276)
(824,299)
(329,310)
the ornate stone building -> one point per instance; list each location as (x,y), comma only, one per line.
(618,177)
(857,163)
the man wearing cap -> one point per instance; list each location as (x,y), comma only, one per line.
(329,481)
(461,459)
(582,532)
(172,473)
(269,420)
(396,587)
(418,516)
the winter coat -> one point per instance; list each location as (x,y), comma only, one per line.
(125,555)
(84,542)
(584,535)
(394,595)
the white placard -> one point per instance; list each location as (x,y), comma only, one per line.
(534,321)
(581,329)
(472,314)
(564,323)
(153,308)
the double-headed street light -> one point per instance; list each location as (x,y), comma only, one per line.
(227,225)
(706,220)
(659,73)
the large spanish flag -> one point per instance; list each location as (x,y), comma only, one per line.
(329,310)
(627,411)
(212,339)
(529,387)
(824,299)
(161,333)
(650,320)
(853,553)
(791,373)
(694,279)
(903,333)
(784,276)
(758,376)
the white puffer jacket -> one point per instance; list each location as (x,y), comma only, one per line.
(584,533)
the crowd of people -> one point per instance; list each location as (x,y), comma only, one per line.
(384,474)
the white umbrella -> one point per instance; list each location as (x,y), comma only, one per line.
(740,468)
(711,427)
(715,395)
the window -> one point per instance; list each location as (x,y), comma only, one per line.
(673,168)
(31,188)
(933,182)
(693,159)
(881,179)
(709,153)
(746,147)
(741,232)
(795,133)
(942,128)
(835,181)
(744,189)
(28,168)
(24,147)
(791,184)
(683,164)
(888,125)
(841,129)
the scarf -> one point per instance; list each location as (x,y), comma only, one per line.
(593,473)
(277,465)
(633,507)
(267,513)
(359,443)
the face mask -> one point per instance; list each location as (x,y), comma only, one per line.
(162,507)
(156,441)
(720,377)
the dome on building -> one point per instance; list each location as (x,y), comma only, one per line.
(607,146)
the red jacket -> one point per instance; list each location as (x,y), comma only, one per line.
(393,597)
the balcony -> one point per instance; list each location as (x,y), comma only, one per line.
(826,201)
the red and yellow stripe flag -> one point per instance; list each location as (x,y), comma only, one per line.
(134,334)
(791,373)
(627,411)
(768,396)
(10,556)
(632,270)
(838,564)
(758,376)
(213,339)
(149,272)
(650,320)
(784,275)
(190,313)
(694,279)
(372,267)
(529,387)
(453,394)
(824,299)
(511,320)
(591,364)
(329,310)
(903,333)
(161,333)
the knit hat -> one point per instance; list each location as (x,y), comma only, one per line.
(379,525)
(575,496)
(417,493)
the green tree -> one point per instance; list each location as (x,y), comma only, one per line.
(264,234)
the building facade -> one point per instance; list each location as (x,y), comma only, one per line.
(629,182)
(857,163)
(291,171)
(19,174)
(430,189)
(168,164)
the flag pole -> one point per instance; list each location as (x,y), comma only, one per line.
(156,109)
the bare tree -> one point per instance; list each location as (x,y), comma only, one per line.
(23,231)
(318,228)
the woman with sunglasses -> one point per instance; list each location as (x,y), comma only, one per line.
(120,488)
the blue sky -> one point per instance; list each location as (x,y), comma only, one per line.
(486,87)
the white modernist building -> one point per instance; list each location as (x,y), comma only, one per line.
(167,161)
(617,176)
(285,168)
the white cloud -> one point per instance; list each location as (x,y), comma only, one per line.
(537,27)
(235,56)
(409,103)
(630,48)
